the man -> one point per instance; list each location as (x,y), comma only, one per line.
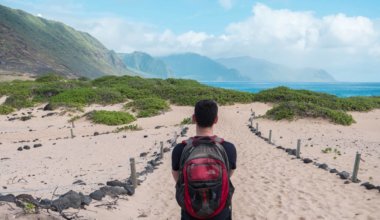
(205,117)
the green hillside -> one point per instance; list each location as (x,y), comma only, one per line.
(31,44)
(201,68)
(145,64)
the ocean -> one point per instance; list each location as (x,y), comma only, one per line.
(341,89)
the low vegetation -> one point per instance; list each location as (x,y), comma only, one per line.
(134,127)
(5,110)
(186,121)
(149,97)
(110,117)
(147,107)
(290,104)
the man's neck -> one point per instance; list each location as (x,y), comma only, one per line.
(204,131)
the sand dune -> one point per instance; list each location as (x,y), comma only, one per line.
(269,183)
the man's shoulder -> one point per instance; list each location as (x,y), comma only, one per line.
(228,144)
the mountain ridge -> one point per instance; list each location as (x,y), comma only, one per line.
(199,67)
(36,45)
(260,70)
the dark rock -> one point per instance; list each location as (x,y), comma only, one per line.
(48,107)
(23,199)
(130,190)
(19,149)
(124,136)
(291,151)
(4,187)
(25,118)
(86,200)
(70,199)
(368,185)
(45,203)
(280,147)
(114,191)
(166,149)
(79,182)
(307,160)
(37,145)
(258,133)
(158,127)
(143,154)
(145,136)
(343,175)
(97,195)
(8,198)
(323,166)
(60,204)
(50,114)
(96,133)
(346,182)
(26,147)
(334,171)
(115,183)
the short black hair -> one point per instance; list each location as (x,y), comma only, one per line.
(205,112)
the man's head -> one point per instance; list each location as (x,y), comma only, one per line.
(205,113)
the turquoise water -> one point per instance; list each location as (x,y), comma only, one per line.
(341,89)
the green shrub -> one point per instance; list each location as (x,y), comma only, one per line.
(19,101)
(86,96)
(134,127)
(5,110)
(111,117)
(186,121)
(75,118)
(290,110)
(148,107)
(49,77)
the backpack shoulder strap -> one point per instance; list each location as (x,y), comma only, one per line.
(186,150)
(218,142)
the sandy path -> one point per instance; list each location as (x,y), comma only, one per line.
(269,184)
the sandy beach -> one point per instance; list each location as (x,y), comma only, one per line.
(270,184)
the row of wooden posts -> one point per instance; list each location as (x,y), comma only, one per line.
(131,160)
(133,165)
(354,177)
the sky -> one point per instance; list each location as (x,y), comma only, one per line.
(340,36)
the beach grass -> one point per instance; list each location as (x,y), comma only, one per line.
(147,107)
(149,97)
(111,117)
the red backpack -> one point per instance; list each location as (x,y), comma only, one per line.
(204,189)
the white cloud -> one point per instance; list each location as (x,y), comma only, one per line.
(226,4)
(337,42)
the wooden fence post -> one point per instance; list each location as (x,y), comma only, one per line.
(298,148)
(133,172)
(270,137)
(161,150)
(257,127)
(72,124)
(72,133)
(251,120)
(354,177)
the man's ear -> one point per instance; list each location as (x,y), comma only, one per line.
(216,120)
(194,120)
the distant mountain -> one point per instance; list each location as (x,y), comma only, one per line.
(35,45)
(259,70)
(145,64)
(201,68)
